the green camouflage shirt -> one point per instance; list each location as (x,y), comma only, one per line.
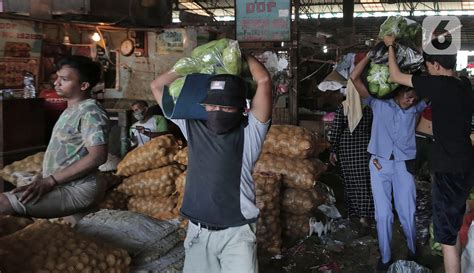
(83,125)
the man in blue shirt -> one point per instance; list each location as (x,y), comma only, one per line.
(392,145)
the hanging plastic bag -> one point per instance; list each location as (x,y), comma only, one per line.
(402,266)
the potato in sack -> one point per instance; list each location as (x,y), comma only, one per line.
(158,182)
(157,152)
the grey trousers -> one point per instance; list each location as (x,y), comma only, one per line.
(232,250)
(66,199)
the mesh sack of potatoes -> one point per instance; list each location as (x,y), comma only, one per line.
(31,164)
(182,156)
(162,208)
(296,173)
(115,200)
(300,202)
(155,153)
(180,183)
(267,189)
(146,239)
(10,224)
(295,226)
(109,179)
(183,223)
(47,247)
(289,140)
(158,182)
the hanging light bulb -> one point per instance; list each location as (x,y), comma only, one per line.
(66,40)
(96,37)
(325,49)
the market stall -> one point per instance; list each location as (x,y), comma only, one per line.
(303,224)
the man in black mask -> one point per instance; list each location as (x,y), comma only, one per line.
(225,103)
(219,198)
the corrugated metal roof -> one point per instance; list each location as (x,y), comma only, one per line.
(225,7)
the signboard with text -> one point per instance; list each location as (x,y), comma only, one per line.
(20,39)
(263,20)
(170,40)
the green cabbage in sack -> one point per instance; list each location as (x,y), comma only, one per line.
(187,65)
(390,26)
(379,84)
(232,58)
(402,29)
(207,70)
(210,53)
(175,88)
(220,70)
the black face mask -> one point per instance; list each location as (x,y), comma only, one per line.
(221,122)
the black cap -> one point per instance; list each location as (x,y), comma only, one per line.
(226,90)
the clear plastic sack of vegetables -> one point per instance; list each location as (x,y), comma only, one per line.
(175,88)
(216,57)
(405,30)
(187,65)
(378,80)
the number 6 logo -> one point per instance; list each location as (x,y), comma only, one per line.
(442,35)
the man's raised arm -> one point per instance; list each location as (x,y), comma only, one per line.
(158,84)
(262,101)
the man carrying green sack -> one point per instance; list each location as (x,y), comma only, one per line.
(219,198)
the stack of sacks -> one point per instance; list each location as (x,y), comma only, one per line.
(152,173)
(113,199)
(290,151)
(298,207)
(116,200)
(47,247)
(267,191)
(182,158)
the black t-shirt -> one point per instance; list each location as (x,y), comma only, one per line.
(452,101)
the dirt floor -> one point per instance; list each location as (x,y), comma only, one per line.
(349,249)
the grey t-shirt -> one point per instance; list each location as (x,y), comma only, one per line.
(254,135)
